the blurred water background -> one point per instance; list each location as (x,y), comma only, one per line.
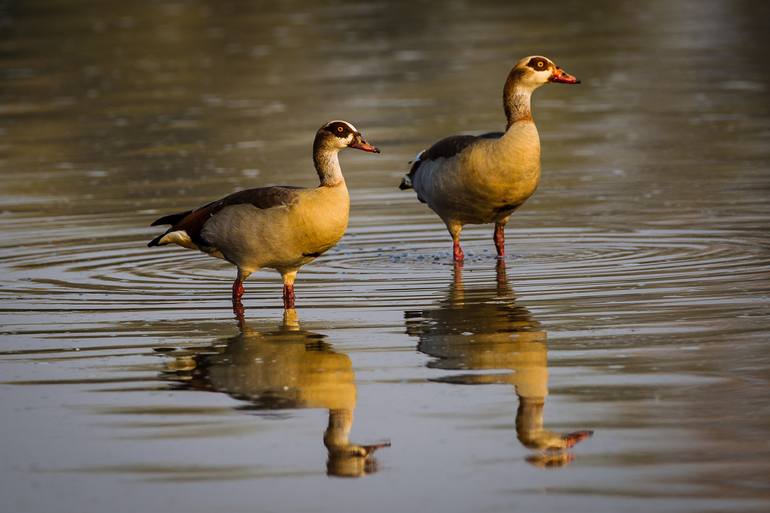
(635,301)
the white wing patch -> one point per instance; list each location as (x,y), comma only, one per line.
(179,237)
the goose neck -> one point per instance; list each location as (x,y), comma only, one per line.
(327,165)
(517,104)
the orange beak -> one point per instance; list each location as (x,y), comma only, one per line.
(559,75)
(361,144)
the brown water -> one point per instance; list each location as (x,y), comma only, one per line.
(635,301)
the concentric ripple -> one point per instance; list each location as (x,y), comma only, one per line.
(101,264)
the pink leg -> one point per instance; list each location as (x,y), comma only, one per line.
(237,295)
(240,314)
(499,238)
(455,228)
(457,251)
(288,295)
(237,290)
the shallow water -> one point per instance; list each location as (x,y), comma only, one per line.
(635,302)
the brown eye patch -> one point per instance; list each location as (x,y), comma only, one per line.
(538,63)
(339,129)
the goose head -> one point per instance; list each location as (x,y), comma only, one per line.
(337,135)
(535,70)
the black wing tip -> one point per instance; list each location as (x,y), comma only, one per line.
(171,219)
(164,220)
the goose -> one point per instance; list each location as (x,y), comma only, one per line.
(469,179)
(279,227)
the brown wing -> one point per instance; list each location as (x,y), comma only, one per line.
(449,147)
(192,221)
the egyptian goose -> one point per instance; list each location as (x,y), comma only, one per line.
(280,227)
(469,179)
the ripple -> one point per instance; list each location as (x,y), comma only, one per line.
(391,264)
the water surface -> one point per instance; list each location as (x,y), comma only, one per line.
(634,303)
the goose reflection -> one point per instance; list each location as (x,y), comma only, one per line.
(485,329)
(286,368)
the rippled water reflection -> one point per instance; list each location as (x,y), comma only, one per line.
(485,330)
(634,304)
(283,370)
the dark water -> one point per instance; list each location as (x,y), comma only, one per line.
(635,302)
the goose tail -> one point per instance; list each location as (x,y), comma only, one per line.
(406,181)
